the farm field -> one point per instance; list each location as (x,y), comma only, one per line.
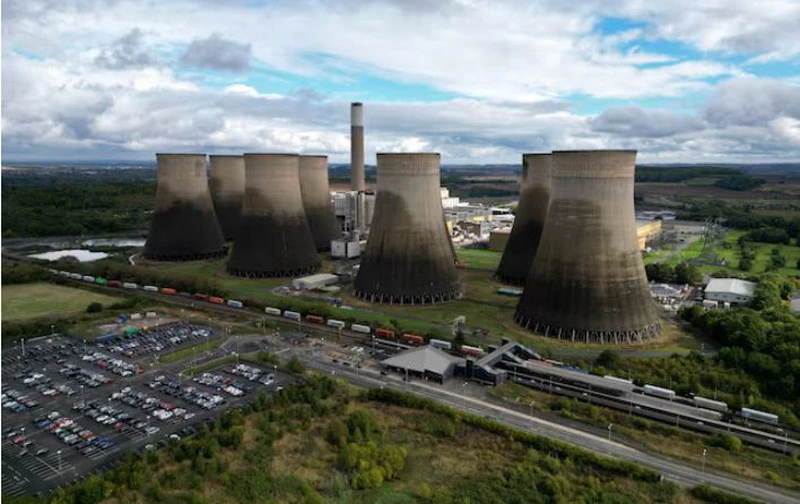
(29,301)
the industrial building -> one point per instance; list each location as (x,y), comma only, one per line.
(274,238)
(587,282)
(526,231)
(647,231)
(226,181)
(498,238)
(354,210)
(730,290)
(312,282)
(316,194)
(409,257)
(184,225)
(426,362)
(494,367)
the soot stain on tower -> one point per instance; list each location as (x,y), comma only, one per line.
(409,257)
(184,226)
(529,221)
(587,282)
(227,190)
(273,237)
(316,193)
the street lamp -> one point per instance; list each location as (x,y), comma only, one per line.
(609,430)
(531,405)
(83,397)
(464,393)
(704,461)
(52,329)
(59,461)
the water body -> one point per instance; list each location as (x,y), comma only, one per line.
(114,242)
(80,254)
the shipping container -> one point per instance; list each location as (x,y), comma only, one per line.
(315,319)
(759,416)
(87,278)
(338,324)
(702,402)
(413,339)
(361,328)
(185,294)
(64,273)
(150,314)
(445,345)
(100,281)
(150,288)
(168,290)
(75,276)
(200,297)
(663,393)
(114,283)
(471,350)
(136,316)
(129,285)
(292,315)
(272,311)
(216,300)
(233,303)
(384,333)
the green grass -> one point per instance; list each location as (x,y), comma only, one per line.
(732,256)
(189,351)
(479,259)
(29,301)
(701,181)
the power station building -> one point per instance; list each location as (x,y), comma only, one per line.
(587,282)
(184,225)
(409,257)
(526,231)
(316,194)
(226,180)
(274,238)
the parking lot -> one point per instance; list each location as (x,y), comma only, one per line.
(136,343)
(69,411)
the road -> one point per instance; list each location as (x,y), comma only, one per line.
(676,472)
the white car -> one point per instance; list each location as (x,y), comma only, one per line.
(187,416)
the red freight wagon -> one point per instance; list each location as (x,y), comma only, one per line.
(168,290)
(114,283)
(413,339)
(384,333)
(216,300)
(315,319)
(200,297)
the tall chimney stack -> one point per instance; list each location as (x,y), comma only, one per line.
(357,146)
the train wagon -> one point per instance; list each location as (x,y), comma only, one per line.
(101,281)
(87,278)
(702,402)
(130,285)
(216,300)
(360,328)
(384,333)
(292,315)
(413,339)
(234,303)
(759,416)
(114,283)
(663,393)
(444,345)
(617,379)
(168,290)
(200,297)
(471,350)
(272,311)
(338,324)
(76,276)
(150,288)
(315,319)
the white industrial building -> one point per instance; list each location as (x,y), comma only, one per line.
(314,281)
(730,290)
(354,209)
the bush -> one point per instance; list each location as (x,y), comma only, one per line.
(708,494)
(726,441)
(294,365)
(94,308)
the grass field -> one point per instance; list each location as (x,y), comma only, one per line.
(29,301)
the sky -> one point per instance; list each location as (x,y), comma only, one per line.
(478,81)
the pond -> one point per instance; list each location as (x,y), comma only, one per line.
(80,254)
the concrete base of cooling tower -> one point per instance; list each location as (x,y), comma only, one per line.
(419,299)
(577,335)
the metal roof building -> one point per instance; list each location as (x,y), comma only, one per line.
(425,362)
(730,290)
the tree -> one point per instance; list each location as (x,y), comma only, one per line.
(745,264)
(686,273)
(608,359)
(94,308)
(766,295)
(294,365)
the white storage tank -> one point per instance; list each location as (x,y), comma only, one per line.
(233,303)
(759,416)
(291,315)
(663,393)
(702,402)
(446,345)
(150,288)
(361,328)
(338,324)
(272,311)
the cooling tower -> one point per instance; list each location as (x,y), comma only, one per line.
(357,146)
(184,225)
(273,238)
(530,217)
(587,281)
(409,259)
(227,190)
(316,194)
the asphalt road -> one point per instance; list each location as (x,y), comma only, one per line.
(673,471)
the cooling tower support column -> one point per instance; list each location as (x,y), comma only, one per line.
(357,146)
(529,220)
(274,238)
(408,259)
(587,282)
(184,226)
(227,190)
(315,189)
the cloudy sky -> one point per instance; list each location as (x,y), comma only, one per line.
(479,81)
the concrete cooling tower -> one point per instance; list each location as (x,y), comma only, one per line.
(316,193)
(273,237)
(530,217)
(587,282)
(184,226)
(227,190)
(409,259)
